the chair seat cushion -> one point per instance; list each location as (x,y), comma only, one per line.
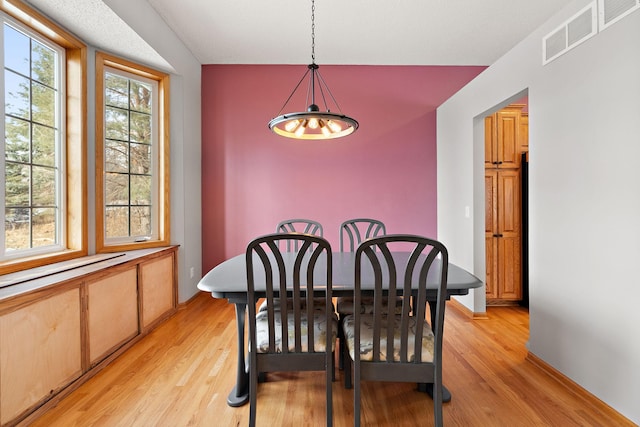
(366,338)
(320,331)
(345,305)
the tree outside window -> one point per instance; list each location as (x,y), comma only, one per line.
(128,157)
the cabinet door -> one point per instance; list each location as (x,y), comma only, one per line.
(507,138)
(112,313)
(509,246)
(157,287)
(490,230)
(41,351)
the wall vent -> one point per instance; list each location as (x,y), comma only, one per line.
(584,25)
(611,11)
(571,33)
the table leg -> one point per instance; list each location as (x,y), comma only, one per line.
(240,393)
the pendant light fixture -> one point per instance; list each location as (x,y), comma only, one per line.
(313,123)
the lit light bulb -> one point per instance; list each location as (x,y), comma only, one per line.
(313,123)
(325,129)
(301,129)
(335,127)
(291,125)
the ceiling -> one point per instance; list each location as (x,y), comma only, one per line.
(354,32)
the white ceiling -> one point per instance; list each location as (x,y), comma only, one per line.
(354,32)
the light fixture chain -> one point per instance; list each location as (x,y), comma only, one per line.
(313,31)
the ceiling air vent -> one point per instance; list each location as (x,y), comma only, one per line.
(610,11)
(570,34)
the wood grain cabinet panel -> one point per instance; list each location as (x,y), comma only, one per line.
(509,269)
(502,139)
(40,351)
(508,138)
(524,132)
(508,200)
(490,145)
(112,312)
(509,243)
(491,225)
(157,289)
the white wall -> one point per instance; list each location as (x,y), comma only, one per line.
(584,134)
(185,122)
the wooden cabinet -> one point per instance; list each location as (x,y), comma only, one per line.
(502,139)
(504,144)
(59,328)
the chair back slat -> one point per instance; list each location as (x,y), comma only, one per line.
(420,309)
(382,300)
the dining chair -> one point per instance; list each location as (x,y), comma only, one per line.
(390,346)
(352,233)
(300,225)
(301,338)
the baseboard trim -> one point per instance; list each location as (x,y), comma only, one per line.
(465,310)
(617,418)
(182,305)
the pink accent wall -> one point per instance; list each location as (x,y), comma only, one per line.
(252,179)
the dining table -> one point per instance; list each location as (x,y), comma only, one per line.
(228,280)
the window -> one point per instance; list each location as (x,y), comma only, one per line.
(42,184)
(132,163)
(33,191)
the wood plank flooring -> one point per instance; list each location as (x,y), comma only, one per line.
(181,373)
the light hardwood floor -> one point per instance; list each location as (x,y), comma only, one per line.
(181,373)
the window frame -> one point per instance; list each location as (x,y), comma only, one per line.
(60,148)
(104,62)
(75,139)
